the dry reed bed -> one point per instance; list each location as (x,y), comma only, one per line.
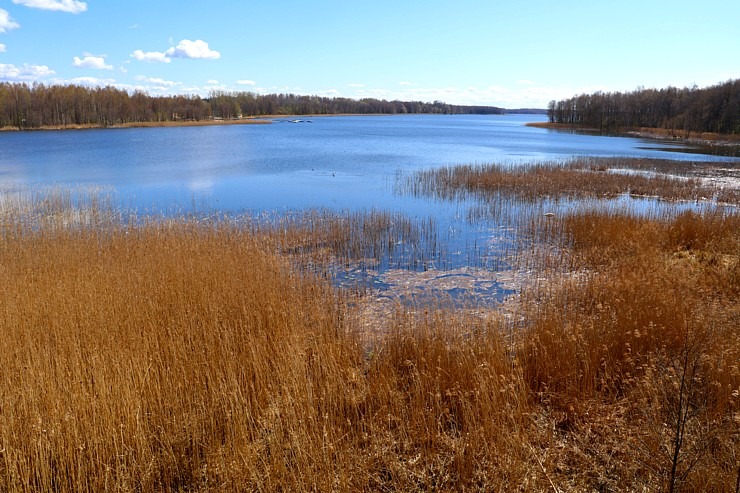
(578,178)
(170,356)
(649,338)
(179,355)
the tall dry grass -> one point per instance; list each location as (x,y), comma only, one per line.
(178,355)
(645,325)
(168,356)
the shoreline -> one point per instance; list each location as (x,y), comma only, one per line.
(671,135)
(261,120)
(248,120)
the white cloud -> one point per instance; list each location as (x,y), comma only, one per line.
(215,86)
(329,93)
(70,6)
(356,85)
(155,85)
(87,81)
(6,23)
(519,96)
(13,73)
(2,48)
(150,56)
(157,81)
(246,82)
(212,81)
(93,62)
(197,49)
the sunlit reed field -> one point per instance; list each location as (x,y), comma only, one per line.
(220,354)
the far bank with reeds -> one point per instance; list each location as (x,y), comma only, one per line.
(148,124)
(708,140)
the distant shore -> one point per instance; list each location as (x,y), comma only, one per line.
(248,120)
(183,123)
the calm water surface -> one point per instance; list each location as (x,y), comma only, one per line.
(333,162)
(338,163)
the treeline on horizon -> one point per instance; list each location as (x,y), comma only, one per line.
(711,109)
(38,105)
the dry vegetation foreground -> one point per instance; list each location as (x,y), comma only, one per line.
(178,355)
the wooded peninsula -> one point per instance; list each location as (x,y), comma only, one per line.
(683,111)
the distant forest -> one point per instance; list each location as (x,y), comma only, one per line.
(712,109)
(26,106)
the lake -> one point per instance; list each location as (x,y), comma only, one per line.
(341,163)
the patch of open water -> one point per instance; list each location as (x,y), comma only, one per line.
(338,164)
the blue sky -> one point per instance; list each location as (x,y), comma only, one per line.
(503,53)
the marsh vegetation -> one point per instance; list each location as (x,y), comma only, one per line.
(232,354)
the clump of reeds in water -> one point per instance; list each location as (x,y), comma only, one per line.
(188,355)
(59,208)
(579,178)
(372,239)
